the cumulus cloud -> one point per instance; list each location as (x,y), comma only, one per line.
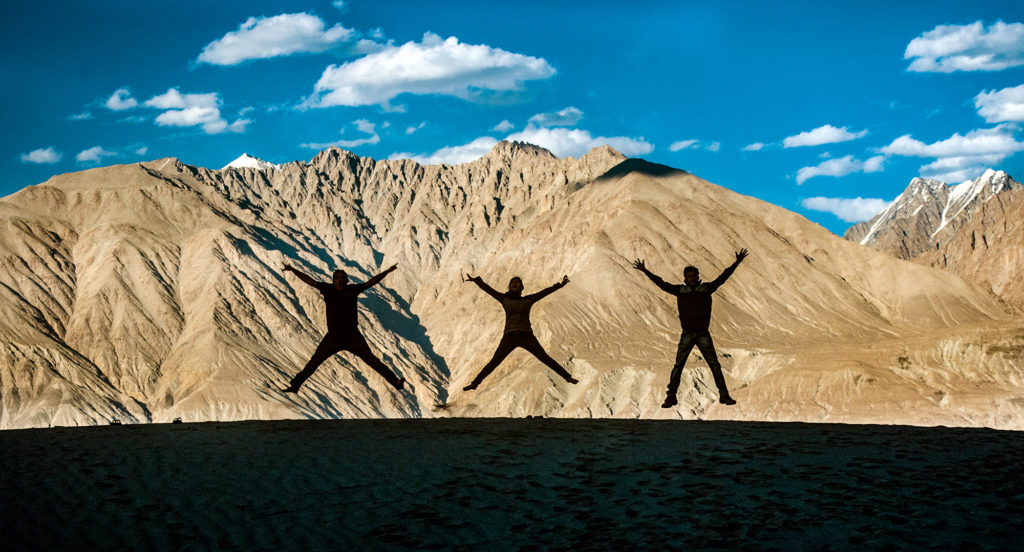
(841,167)
(826,134)
(856,209)
(1001,106)
(566,117)
(121,100)
(564,142)
(42,156)
(269,37)
(958,169)
(362,125)
(452,155)
(432,66)
(185,110)
(756,146)
(959,157)
(504,126)
(949,48)
(94,154)
(984,141)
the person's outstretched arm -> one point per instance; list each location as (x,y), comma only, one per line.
(665,286)
(306,278)
(483,285)
(376,279)
(549,290)
(740,255)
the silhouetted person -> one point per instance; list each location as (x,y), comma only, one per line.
(693,298)
(518,332)
(341,299)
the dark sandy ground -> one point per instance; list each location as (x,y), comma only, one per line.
(508,484)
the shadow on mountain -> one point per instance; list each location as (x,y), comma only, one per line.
(636,165)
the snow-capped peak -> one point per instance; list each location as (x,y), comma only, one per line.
(247,161)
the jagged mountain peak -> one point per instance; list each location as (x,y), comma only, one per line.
(928,213)
(246,161)
(506,150)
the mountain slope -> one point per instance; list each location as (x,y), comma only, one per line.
(150,291)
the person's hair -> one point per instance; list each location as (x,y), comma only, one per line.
(690,269)
(514,278)
(341,271)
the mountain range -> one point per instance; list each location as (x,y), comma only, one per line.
(155,290)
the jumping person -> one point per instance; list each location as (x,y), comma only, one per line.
(518,332)
(693,298)
(341,300)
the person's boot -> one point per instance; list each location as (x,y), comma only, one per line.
(725,399)
(670,401)
(470,387)
(400,383)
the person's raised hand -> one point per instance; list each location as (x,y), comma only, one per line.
(639,265)
(741,254)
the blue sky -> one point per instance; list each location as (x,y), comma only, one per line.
(827,109)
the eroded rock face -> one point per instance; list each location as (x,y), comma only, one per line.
(153,291)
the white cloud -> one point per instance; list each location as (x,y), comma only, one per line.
(186,110)
(280,35)
(42,156)
(848,209)
(414,129)
(1001,105)
(949,48)
(142,150)
(566,117)
(756,146)
(958,169)
(694,145)
(984,141)
(362,125)
(826,134)
(94,154)
(121,100)
(959,158)
(339,4)
(432,66)
(83,116)
(453,154)
(840,167)
(564,142)
(504,126)
(683,144)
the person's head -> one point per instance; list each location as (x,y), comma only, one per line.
(340,279)
(691,276)
(515,285)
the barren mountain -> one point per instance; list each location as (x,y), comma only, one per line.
(973,229)
(929,214)
(149,291)
(988,250)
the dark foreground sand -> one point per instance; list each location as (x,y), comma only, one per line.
(506,484)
